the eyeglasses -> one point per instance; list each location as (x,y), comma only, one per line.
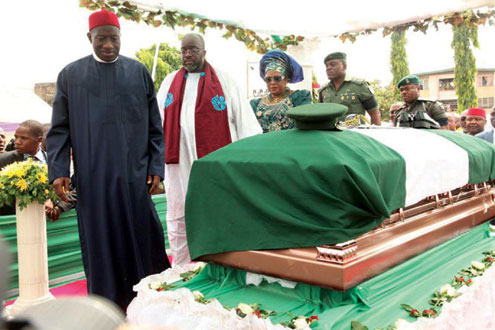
(192,51)
(276,79)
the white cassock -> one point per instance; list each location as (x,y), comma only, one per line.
(242,123)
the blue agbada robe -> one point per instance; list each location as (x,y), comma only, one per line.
(108,114)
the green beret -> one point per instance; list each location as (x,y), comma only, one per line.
(335,56)
(408,80)
(317,116)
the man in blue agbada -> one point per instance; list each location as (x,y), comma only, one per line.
(105,110)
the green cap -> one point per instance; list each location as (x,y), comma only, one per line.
(408,80)
(335,56)
(317,116)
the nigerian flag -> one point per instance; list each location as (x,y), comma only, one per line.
(303,188)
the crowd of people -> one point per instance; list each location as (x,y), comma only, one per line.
(123,139)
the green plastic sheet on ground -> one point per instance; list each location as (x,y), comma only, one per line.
(375,303)
(64,250)
(264,191)
(481,154)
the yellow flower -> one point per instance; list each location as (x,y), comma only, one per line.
(22,184)
(46,192)
(19,172)
(41,177)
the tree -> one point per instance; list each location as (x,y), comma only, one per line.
(465,65)
(398,60)
(168,60)
(385,97)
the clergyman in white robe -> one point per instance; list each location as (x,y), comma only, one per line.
(242,123)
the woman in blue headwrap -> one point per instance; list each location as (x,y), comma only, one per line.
(277,69)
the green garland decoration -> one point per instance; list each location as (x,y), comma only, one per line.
(468,18)
(172,19)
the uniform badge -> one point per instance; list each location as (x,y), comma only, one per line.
(219,102)
(169,100)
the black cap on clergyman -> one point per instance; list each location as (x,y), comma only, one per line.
(317,116)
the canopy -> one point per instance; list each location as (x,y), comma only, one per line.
(20,104)
(315,18)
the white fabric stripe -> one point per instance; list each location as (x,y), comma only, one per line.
(433,164)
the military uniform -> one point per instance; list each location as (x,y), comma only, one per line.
(422,114)
(356,95)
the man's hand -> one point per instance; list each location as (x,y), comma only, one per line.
(61,187)
(54,213)
(153,182)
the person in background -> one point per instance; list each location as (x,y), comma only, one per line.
(357,95)
(488,135)
(462,122)
(203,110)
(278,69)
(475,121)
(416,112)
(3,140)
(451,118)
(27,137)
(105,111)
(393,111)
(27,143)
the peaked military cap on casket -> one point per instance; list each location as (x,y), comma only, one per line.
(408,80)
(317,116)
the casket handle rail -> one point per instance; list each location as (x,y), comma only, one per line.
(343,253)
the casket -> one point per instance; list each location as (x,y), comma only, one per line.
(335,208)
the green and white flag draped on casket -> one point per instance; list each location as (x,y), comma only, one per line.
(307,188)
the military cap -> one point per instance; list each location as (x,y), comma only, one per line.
(408,80)
(335,56)
(317,116)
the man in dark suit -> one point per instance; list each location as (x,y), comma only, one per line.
(28,137)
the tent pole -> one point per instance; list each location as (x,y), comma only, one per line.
(155,61)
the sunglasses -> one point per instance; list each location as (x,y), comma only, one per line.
(276,79)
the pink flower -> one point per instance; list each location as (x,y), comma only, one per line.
(414,313)
(429,312)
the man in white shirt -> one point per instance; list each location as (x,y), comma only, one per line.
(203,110)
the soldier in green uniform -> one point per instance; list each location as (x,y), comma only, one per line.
(416,112)
(355,94)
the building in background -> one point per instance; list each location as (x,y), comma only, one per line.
(439,85)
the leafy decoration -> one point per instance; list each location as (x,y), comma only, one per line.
(469,18)
(27,182)
(186,276)
(156,18)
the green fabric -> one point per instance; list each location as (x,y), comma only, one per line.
(375,303)
(291,188)
(481,154)
(64,251)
